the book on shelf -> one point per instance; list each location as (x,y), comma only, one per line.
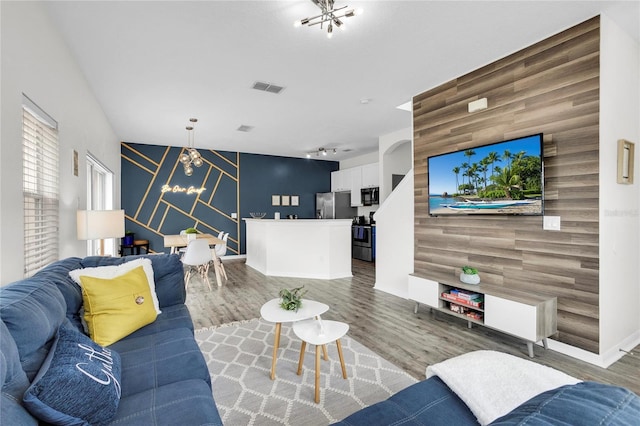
(454,298)
(465,295)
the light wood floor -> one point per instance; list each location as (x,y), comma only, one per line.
(384,323)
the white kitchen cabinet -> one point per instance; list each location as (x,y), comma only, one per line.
(370,176)
(341,180)
(356,185)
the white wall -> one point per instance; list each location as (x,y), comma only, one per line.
(619,204)
(395,157)
(360,160)
(394,239)
(36,62)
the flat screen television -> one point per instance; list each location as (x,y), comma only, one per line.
(496,179)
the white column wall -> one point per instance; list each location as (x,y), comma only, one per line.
(386,144)
(36,62)
(619,204)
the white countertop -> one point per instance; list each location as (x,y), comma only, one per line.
(305,221)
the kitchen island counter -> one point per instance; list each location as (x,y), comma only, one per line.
(305,248)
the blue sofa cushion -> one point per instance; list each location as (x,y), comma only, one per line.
(172,317)
(168,273)
(592,403)
(429,402)
(78,383)
(39,304)
(187,402)
(58,273)
(14,382)
(158,359)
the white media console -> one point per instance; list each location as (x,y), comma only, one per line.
(532,317)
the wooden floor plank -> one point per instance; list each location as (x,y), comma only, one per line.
(384,323)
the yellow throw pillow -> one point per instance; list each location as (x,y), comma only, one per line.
(116,307)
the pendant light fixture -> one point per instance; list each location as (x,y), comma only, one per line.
(190,155)
(329,14)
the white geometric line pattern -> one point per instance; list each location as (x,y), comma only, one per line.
(239,359)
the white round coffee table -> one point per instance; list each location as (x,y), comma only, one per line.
(320,332)
(272,312)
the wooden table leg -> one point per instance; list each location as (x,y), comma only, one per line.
(325,355)
(344,368)
(317,398)
(276,343)
(301,361)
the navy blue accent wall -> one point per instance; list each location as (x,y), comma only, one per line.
(234,182)
(262,176)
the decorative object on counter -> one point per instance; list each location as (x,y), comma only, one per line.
(469,275)
(291,300)
(275,200)
(257,215)
(190,155)
(276,215)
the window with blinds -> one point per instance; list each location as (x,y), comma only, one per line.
(39,188)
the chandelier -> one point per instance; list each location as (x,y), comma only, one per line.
(321,151)
(190,155)
(329,14)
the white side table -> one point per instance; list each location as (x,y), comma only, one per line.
(272,312)
(319,333)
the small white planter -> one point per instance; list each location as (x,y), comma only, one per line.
(470,279)
(191,237)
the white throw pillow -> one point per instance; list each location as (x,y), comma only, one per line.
(113,271)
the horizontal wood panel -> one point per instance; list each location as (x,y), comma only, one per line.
(552,88)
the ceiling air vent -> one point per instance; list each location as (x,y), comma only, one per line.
(267,87)
(244,128)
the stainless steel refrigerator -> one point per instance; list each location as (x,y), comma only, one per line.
(334,205)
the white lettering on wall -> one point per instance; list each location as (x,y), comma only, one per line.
(177,188)
(106,359)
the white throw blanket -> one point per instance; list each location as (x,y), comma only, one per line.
(494,383)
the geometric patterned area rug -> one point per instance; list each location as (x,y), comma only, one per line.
(239,359)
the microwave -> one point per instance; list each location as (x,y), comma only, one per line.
(369,196)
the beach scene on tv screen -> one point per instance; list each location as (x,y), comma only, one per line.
(501,178)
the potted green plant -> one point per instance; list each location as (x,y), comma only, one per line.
(127,240)
(469,275)
(191,233)
(291,300)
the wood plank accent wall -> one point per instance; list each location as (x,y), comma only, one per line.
(551,87)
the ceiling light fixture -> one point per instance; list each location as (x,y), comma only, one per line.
(329,14)
(189,154)
(322,151)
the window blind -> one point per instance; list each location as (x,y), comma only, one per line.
(40,191)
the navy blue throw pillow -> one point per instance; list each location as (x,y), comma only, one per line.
(78,384)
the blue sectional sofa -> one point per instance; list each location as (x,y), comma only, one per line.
(164,377)
(494,388)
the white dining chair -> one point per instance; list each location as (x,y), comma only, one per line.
(219,251)
(197,256)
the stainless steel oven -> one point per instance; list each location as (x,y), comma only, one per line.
(362,246)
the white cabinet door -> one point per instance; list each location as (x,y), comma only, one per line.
(424,291)
(511,317)
(340,181)
(356,185)
(370,176)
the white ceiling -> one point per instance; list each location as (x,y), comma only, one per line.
(154,64)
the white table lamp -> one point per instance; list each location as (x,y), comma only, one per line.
(100,224)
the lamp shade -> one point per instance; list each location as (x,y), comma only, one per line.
(97,224)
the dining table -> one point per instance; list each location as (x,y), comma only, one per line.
(175,242)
